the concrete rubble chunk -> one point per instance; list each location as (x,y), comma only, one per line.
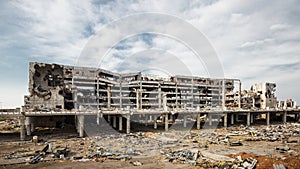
(137,163)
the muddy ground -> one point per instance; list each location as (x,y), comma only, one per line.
(149,148)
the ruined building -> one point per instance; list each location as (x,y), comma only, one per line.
(59,92)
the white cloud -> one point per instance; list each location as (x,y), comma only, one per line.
(278,27)
(256,43)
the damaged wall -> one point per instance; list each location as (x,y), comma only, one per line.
(55,87)
(47,87)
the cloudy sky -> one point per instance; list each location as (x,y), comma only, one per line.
(255,41)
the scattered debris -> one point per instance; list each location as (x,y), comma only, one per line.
(278,166)
(39,155)
(236,143)
(283,150)
(137,163)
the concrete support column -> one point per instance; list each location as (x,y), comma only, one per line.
(27,125)
(22,127)
(239,93)
(166,122)
(223,94)
(108,97)
(198,121)
(173,118)
(165,102)
(120,123)
(109,119)
(137,99)
(251,118)
(32,126)
(284,117)
(210,119)
(146,120)
(114,121)
(184,121)
(155,122)
(284,105)
(77,123)
(232,119)
(248,118)
(98,119)
(268,118)
(236,117)
(81,125)
(128,123)
(159,97)
(225,120)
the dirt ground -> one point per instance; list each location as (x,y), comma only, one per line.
(152,148)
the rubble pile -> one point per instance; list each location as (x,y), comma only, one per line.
(288,133)
(207,160)
(194,148)
(271,133)
(9,125)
